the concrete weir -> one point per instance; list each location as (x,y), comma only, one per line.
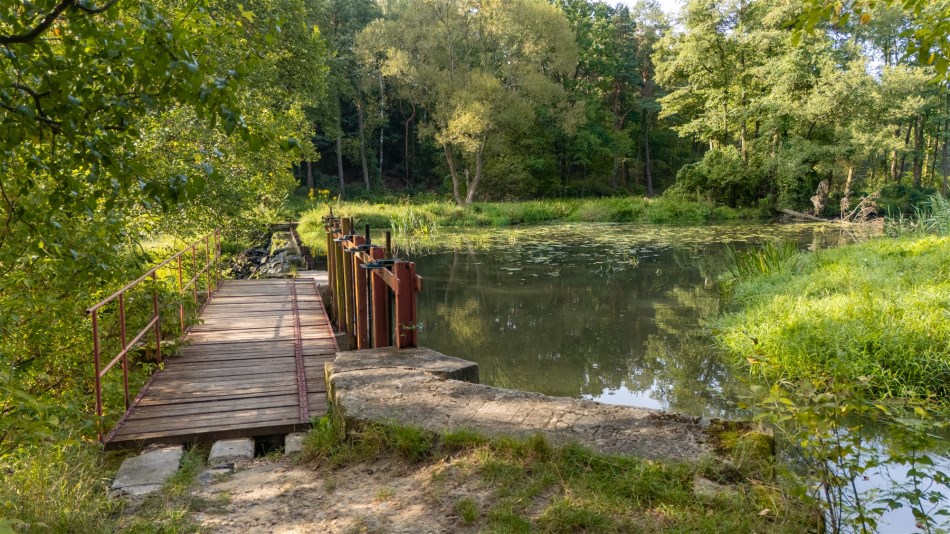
(423,388)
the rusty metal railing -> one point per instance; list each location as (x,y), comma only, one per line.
(212,273)
(365,283)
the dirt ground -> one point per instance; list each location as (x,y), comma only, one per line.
(280,496)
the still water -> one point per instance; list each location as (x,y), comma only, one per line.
(615,313)
(608,312)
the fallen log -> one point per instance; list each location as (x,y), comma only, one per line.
(805,216)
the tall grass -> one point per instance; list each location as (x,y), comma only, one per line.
(409,218)
(55,487)
(873,313)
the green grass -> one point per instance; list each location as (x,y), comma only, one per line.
(530,485)
(407,218)
(874,313)
(56,487)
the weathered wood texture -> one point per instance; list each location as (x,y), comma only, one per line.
(238,372)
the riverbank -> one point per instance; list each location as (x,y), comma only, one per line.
(409,218)
(872,314)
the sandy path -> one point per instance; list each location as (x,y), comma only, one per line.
(281,497)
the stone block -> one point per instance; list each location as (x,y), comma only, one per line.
(148,471)
(231,450)
(293,443)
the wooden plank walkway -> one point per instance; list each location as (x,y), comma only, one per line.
(252,367)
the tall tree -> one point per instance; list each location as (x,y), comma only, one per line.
(481,68)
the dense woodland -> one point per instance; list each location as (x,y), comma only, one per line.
(129,126)
(727,103)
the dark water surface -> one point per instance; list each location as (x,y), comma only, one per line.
(606,312)
(615,313)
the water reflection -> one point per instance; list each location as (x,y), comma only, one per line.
(606,312)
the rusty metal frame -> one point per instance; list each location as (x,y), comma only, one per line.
(303,404)
(211,264)
(400,279)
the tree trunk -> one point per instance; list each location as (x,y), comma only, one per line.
(339,153)
(647,164)
(946,166)
(900,175)
(479,166)
(894,177)
(408,162)
(382,123)
(359,121)
(918,150)
(309,175)
(450,160)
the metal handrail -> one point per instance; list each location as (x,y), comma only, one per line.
(155,323)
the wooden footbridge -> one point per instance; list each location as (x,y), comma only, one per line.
(250,354)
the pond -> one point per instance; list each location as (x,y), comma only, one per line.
(606,312)
(610,312)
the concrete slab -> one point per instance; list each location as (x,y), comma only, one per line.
(419,388)
(419,358)
(231,450)
(148,471)
(293,443)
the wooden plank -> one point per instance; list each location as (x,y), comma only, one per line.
(214,406)
(236,373)
(218,384)
(197,421)
(263,428)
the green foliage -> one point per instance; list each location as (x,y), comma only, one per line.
(467,509)
(903,199)
(59,487)
(770,258)
(858,313)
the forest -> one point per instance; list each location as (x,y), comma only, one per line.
(130,127)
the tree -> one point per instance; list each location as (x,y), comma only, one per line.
(481,68)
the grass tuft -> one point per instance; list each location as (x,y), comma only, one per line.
(537,486)
(467,509)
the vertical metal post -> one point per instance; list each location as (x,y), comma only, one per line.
(217,258)
(389,244)
(208,267)
(194,278)
(125,359)
(361,298)
(95,355)
(405,335)
(380,308)
(338,299)
(331,264)
(181,302)
(158,322)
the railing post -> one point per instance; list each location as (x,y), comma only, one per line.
(380,308)
(194,266)
(96,358)
(349,313)
(158,323)
(361,298)
(208,266)
(181,302)
(405,335)
(331,262)
(217,258)
(125,358)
